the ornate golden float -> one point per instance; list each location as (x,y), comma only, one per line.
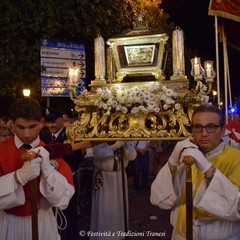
(118,107)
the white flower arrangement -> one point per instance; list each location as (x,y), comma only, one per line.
(153,98)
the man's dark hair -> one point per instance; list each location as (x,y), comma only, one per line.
(26,108)
(210,109)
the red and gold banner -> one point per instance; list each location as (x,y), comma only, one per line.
(225,8)
(230,11)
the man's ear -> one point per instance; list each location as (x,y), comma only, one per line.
(41,122)
(62,120)
(224,130)
(13,127)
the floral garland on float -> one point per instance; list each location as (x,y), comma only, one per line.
(121,112)
(146,99)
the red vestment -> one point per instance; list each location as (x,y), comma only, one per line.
(10,161)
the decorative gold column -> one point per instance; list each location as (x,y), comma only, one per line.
(178,55)
(111,68)
(99,57)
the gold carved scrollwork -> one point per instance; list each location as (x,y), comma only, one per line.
(99,126)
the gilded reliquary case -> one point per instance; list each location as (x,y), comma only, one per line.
(138,55)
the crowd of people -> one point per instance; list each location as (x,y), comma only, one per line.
(27,126)
(210,153)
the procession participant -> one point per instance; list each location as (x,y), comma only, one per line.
(107,184)
(141,165)
(215,177)
(55,120)
(54,186)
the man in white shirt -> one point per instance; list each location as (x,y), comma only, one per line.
(141,165)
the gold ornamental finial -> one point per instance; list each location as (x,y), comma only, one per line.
(141,23)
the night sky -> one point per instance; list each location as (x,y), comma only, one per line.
(192,17)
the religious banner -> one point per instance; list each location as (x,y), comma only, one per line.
(229,10)
(225,8)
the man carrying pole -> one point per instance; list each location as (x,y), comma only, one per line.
(215,180)
(54,184)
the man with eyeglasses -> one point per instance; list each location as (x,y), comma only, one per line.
(215,178)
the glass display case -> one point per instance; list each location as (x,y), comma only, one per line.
(138,54)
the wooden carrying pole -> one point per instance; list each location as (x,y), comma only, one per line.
(189,204)
(125,211)
(28,156)
(34,209)
(217,61)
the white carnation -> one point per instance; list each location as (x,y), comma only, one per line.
(177,106)
(135,110)
(124,110)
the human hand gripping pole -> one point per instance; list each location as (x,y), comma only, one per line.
(190,156)
(46,167)
(194,155)
(32,159)
(188,161)
(174,158)
(174,161)
(29,171)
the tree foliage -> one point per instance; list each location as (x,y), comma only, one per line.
(24,22)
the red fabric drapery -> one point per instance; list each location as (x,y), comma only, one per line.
(229,10)
(225,8)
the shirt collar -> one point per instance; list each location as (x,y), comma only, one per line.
(216,151)
(19,143)
(57,134)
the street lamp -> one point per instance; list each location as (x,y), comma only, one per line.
(26,92)
(214,93)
